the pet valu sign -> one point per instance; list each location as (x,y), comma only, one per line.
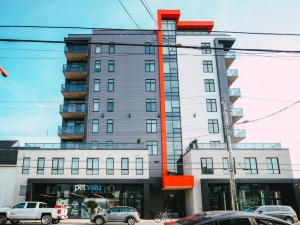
(87,187)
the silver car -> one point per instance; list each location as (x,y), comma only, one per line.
(123,214)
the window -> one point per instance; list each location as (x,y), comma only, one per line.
(42,205)
(26,165)
(19,206)
(268,222)
(150,105)
(96,105)
(109,166)
(149,66)
(273,165)
(109,144)
(94,144)
(211,105)
(75,166)
(207,166)
(111,48)
(205,48)
(110,105)
(150,85)
(225,166)
(98,49)
(111,85)
(95,126)
(152,147)
(151,126)
(98,66)
(139,166)
(149,48)
(92,167)
(58,165)
(207,66)
(40,166)
(96,85)
(111,65)
(209,85)
(213,126)
(31,205)
(124,166)
(250,165)
(238,221)
(110,126)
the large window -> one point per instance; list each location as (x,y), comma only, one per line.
(111,85)
(225,162)
(40,166)
(95,126)
(139,166)
(75,166)
(96,105)
(149,48)
(110,126)
(205,48)
(149,66)
(124,166)
(207,166)
(111,65)
(58,166)
(110,105)
(251,165)
(96,85)
(211,105)
(273,165)
(209,85)
(111,48)
(150,105)
(213,126)
(26,165)
(150,85)
(152,147)
(207,66)
(98,49)
(151,126)
(109,166)
(92,167)
(98,66)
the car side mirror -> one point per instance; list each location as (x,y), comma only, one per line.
(260,211)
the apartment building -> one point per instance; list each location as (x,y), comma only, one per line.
(147,102)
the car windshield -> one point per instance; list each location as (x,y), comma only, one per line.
(250,209)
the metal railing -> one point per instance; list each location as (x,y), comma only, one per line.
(73,88)
(72,108)
(230,55)
(238,146)
(237,112)
(76,49)
(70,130)
(74,68)
(232,73)
(85,146)
(239,133)
(235,92)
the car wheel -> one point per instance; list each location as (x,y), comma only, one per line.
(46,219)
(14,221)
(55,221)
(3,219)
(99,221)
(131,221)
(289,220)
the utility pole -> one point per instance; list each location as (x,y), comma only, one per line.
(228,131)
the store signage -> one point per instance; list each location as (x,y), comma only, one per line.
(87,187)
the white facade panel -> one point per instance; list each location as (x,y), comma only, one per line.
(7,182)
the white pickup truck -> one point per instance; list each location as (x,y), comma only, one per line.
(32,211)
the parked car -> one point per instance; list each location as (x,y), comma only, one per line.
(228,218)
(32,211)
(280,211)
(123,214)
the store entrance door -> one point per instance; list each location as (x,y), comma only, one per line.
(174,202)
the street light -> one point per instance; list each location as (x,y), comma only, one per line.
(3,72)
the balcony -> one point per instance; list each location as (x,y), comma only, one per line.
(238,135)
(76,52)
(72,111)
(229,58)
(234,94)
(232,75)
(236,114)
(237,146)
(75,71)
(71,132)
(73,90)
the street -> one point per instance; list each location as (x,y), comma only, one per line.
(86,222)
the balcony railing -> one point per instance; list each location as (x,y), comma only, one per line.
(229,58)
(74,68)
(237,112)
(238,146)
(73,88)
(232,75)
(234,94)
(72,108)
(239,133)
(70,130)
(76,49)
(85,146)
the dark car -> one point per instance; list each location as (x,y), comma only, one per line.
(280,211)
(229,218)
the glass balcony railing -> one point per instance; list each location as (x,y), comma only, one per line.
(230,55)
(73,88)
(235,92)
(232,73)
(238,112)
(74,68)
(72,108)
(239,146)
(70,130)
(76,49)
(239,133)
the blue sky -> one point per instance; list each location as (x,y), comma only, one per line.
(38,80)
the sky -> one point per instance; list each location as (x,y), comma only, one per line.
(30,96)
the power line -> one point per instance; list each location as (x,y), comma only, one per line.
(148,11)
(123,6)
